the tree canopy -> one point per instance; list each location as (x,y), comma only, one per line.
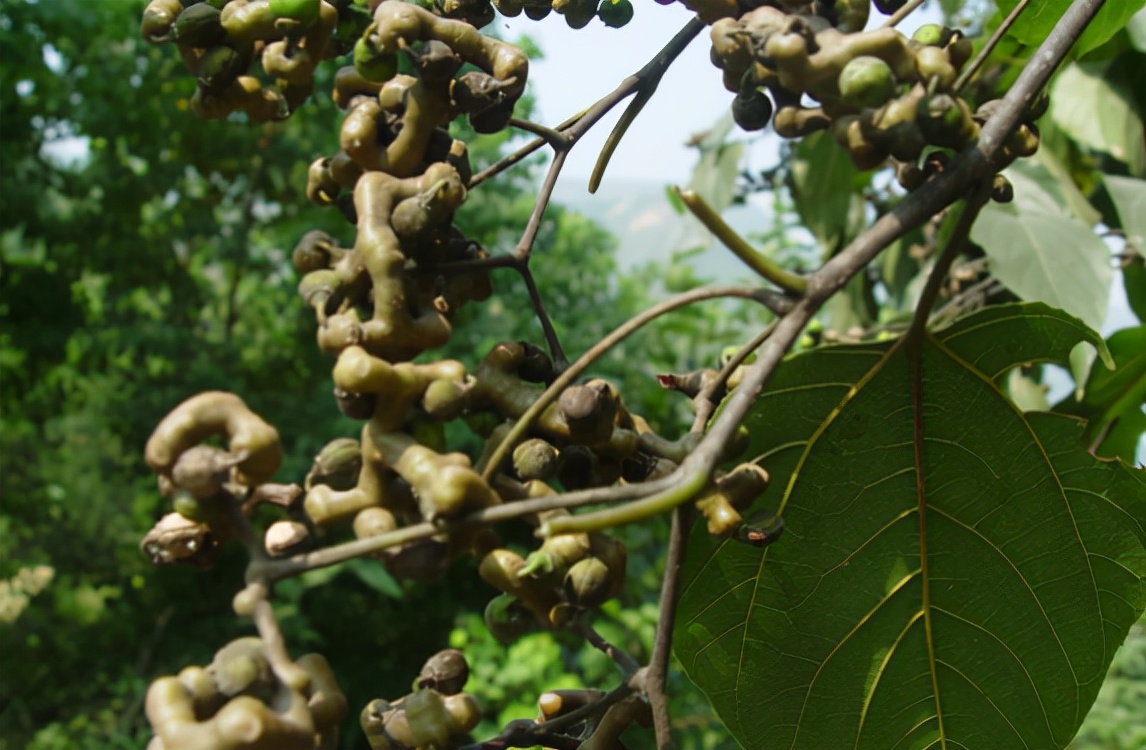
(145,256)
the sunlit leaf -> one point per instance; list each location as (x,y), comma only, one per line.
(953,573)
(1114,393)
(824,189)
(1129,197)
(1041,253)
(1040,17)
(1085,89)
(1027,393)
(1136,30)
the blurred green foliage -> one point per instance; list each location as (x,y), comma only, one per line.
(144,256)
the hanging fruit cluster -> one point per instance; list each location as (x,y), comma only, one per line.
(806,67)
(239,701)
(391,295)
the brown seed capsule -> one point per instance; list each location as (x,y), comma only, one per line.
(242,667)
(535,459)
(283,536)
(587,583)
(356,405)
(508,619)
(752,110)
(909,175)
(535,365)
(445,672)
(1002,191)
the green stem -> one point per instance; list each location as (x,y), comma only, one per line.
(728,236)
(525,421)
(638,510)
(647,80)
(972,67)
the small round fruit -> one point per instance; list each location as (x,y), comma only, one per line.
(588,582)
(446,672)
(944,120)
(932,62)
(930,34)
(198,26)
(245,601)
(752,110)
(866,81)
(188,506)
(1002,191)
(374,65)
(303,11)
(615,13)
(887,7)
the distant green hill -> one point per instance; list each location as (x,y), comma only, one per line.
(647,228)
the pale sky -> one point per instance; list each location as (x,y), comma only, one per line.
(583,65)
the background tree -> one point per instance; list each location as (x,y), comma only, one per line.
(134,274)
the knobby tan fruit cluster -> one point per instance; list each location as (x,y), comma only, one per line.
(399,177)
(879,93)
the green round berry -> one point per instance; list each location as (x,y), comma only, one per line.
(615,13)
(188,506)
(930,34)
(752,110)
(374,65)
(304,11)
(866,81)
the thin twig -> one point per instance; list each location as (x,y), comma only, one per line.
(731,239)
(977,62)
(271,570)
(907,9)
(969,166)
(509,160)
(657,677)
(556,352)
(646,80)
(525,421)
(624,660)
(704,401)
(956,243)
(553,136)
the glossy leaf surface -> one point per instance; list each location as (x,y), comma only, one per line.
(1042,253)
(953,573)
(1040,16)
(1105,86)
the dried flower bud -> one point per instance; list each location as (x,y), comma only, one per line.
(283,536)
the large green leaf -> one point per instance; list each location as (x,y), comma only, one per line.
(713,178)
(1040,16)
(1042,253)
(1094,103)
(1136,31)
(1129,197)
(1113,393)
(953,574)
(824,189)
